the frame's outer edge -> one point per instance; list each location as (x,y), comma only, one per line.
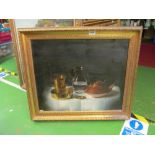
(135,69)
(32,110)
(79,28)
(138,36)
(79,118)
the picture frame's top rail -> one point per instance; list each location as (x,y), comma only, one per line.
(80,29)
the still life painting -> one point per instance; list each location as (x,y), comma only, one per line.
(80,74)
(77,73)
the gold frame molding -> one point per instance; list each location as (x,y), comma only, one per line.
(16,50)
(97,22)
(131,33)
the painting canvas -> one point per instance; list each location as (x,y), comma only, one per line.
(80,74)
(74,71)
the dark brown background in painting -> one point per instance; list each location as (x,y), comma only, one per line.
(102,60)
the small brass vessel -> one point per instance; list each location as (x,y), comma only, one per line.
(60,90)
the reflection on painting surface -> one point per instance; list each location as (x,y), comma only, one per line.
(80,74)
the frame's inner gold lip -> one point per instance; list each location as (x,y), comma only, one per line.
(83,112)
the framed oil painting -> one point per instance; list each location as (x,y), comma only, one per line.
(80,73)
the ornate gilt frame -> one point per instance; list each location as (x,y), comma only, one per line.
(16,50)
(97,22)
(133,34)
